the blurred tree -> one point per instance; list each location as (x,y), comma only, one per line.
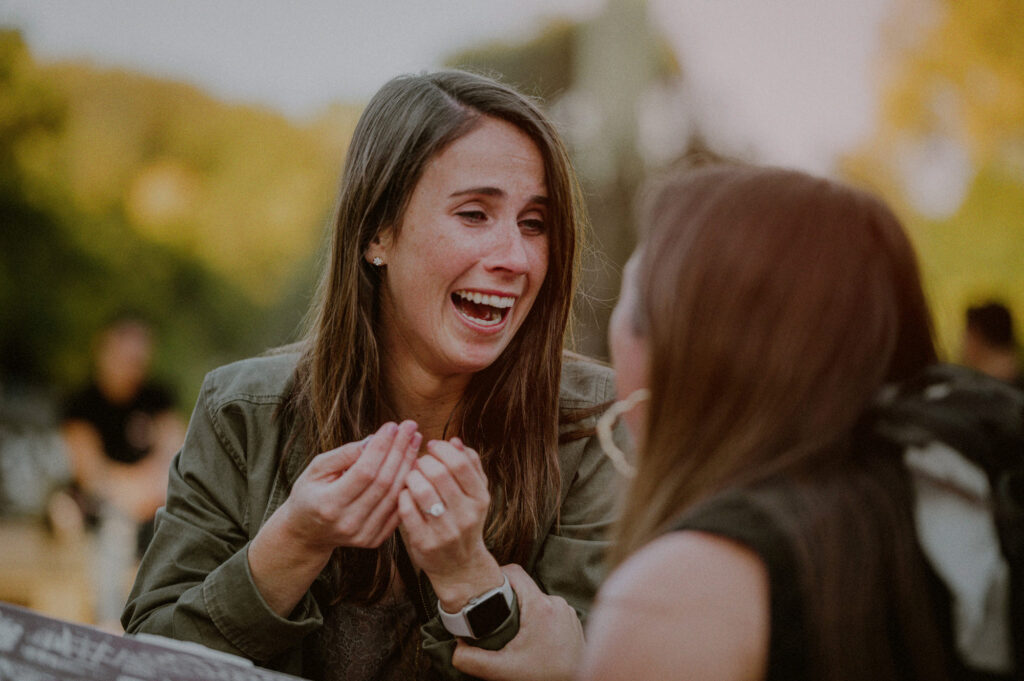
(948,151)
(542,66)
(34,315)
(121,191)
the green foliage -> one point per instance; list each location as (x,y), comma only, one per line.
(956,72)
(542,66)
(975,255)
(119,191)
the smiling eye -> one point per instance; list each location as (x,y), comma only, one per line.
(473,216)
(532,226)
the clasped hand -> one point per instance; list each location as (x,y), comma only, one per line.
(358,494)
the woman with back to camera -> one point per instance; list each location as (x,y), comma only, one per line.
(769,531)
(431,397)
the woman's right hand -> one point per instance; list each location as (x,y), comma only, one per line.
(548,647)
(349,495)
(346,497)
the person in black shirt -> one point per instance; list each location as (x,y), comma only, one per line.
(989,344)
(121,429)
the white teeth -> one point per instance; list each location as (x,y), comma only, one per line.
(486,299)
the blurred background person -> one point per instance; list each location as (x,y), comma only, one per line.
(121,429)
(120,432)
(989,343)
(776,526)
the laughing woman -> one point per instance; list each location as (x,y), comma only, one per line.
(344,511)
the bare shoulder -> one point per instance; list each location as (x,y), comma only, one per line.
(689,605)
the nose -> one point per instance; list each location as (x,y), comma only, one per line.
(508,252)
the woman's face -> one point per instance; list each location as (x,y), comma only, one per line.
(471,254)
(628,349)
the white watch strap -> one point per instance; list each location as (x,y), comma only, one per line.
(457,623)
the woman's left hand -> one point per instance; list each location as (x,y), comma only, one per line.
(548,647)
(443,509)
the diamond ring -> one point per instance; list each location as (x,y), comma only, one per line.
(436,510)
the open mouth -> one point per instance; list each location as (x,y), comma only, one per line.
(482,308)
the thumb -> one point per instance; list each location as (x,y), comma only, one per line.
(474,661)
(526,589)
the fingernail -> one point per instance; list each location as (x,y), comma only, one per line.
(417,440)
(391,428)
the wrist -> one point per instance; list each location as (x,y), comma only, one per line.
(483,615)
(285,537)
(455,590)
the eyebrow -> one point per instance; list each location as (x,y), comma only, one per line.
(494,191)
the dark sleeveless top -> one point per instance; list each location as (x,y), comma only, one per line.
(734,518)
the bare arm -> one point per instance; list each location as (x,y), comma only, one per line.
(85,454)
(137,489)
(689,605)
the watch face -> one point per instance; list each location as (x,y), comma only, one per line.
(487,615)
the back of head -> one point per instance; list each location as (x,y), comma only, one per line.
(774,306)
(992,324)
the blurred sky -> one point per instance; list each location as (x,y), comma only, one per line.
(791,80)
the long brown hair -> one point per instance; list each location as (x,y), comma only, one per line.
(774,306)
(509,411)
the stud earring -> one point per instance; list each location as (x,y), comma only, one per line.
(378,261)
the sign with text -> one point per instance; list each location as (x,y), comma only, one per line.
(38,648)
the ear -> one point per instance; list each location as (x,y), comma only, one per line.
(380,246)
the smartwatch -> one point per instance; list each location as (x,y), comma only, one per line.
(482,615)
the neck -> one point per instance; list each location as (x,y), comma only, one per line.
(116,392)
(426,398)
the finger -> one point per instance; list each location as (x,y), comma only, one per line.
(527,591)
(388,505)
(421,491)
(459,460)
(385,477)
(387,529)
(364,471)
(479,662)
(473,455)
(409,514)
(464,505)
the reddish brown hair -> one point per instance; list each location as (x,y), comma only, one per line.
(774,306)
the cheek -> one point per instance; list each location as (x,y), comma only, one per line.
(629,357)
(539,254)
(630,363)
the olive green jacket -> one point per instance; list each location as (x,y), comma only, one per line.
(194,582)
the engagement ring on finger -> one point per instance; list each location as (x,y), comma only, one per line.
(436,510)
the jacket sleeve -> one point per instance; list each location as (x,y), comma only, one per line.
(570,560)
(194,582)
